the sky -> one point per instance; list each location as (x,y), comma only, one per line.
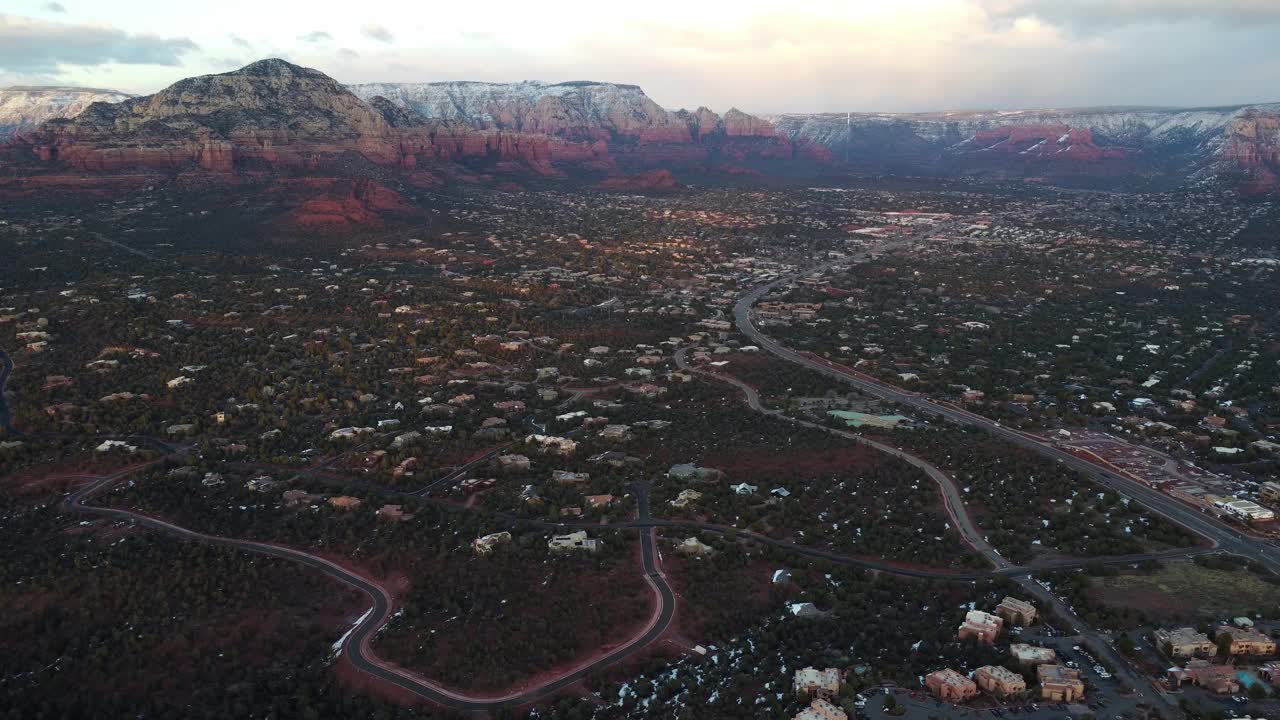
(762,56)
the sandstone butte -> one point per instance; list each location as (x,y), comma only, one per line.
(272,115)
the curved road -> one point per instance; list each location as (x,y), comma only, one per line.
(1220,535)
(357,644)
(959,515)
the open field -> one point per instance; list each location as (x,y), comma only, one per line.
(1183,590)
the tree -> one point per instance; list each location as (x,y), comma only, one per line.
(1224,644)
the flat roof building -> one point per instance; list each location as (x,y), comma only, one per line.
(814,683)
(981,626)
(1246,641)
(1026,654)
(820,709)
(999,681)
(1183,642)
(950,686)
(1060,684)
(1016,612)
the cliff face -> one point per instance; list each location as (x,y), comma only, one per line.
(25,107)
(273,115)
(1230,142)
(599,124)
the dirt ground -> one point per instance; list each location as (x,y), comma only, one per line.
(1186,590)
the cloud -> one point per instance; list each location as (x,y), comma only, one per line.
(348,54)
(316,36)
(239,41)
(28,45)
(377,32)
(53,7)
(1093,15)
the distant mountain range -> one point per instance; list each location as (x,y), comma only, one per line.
(25,107)
(273,116)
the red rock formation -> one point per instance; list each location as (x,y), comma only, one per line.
(334,201)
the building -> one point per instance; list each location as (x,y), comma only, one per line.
(1245,641)
(598,502)
(1026,654)
(685,497)
(488,543)
(1016,612)
(693,546)
(950,686)
(1220,679)
(981,626)
(393,513)
(574,541)
(513,463)
(814,683)
(344,502)
(1060,684)
(999,681)
(1244,510)
(820,709)
(1183,642)
(1270,491)
(569,478)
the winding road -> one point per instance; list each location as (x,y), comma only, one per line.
(357,643)
(1221,536)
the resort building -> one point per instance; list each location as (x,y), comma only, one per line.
(950,686)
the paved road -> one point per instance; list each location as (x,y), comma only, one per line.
(951,497)
(1220,535)
(358,641)
(959,514)
(6,416)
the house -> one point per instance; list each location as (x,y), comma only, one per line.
(1220,679)
(569,478)
(1060,684)
(1182,642)
(296,497)
(687,471)
(616,432)
(1016,612)
(488,543)
(744,489)
(981,626)
(999,681)
(599,501)
(1026,654)
(553,444)
(950,686)
(513,463)
(685,497)
(813,683)
(1244,641)
(393,513)
(408,438)
(820,709)
(693,546)
(179,382)
(574,541)
(344,502)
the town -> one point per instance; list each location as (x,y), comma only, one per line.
(803,452)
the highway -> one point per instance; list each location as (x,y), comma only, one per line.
(972,535)
(357,645)
(1221,536)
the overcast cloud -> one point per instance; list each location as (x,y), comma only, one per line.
(764,56)
(29,45)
